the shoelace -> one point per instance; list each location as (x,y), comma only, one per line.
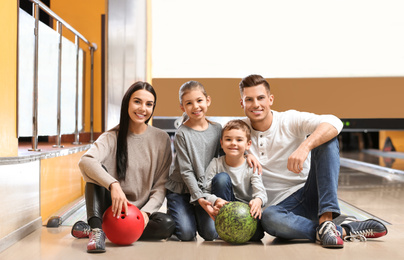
(330,228)
(96,235)
(355,237)
(87,231)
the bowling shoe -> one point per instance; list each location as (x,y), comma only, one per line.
(81,229)
(327,235)
(361,230)
(96,244)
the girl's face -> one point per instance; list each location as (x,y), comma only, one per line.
(195,104)
(140,108)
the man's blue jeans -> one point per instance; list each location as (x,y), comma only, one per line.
(189,218)
(297,216)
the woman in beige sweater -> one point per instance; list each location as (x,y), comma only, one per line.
(127,164)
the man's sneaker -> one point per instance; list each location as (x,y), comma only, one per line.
(361,230)
(327,235)
(81,229)
(97,241)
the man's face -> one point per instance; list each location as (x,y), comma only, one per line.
(256,102)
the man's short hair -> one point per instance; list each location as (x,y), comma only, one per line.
(252,81)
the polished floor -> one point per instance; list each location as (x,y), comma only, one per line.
(363,193)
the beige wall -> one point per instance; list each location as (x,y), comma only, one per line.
(343,97)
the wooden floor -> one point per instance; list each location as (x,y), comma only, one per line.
(375,195)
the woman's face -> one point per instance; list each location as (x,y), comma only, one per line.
(140,109)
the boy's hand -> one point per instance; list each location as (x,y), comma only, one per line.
(207,206)
(256,207)
(254,163)
(219,203)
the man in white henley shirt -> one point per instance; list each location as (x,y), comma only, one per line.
(299,154)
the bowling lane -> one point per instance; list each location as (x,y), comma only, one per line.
(377,188)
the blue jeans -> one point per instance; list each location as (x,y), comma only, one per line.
(189,218)
(223,188)
(297,216)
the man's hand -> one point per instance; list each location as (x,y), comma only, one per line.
(297,158)
(254,163)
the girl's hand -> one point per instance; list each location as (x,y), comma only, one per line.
(256,207)
(254,163)
(207,206)
(119,201)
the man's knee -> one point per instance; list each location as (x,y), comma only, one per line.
(330,146)
(271,219)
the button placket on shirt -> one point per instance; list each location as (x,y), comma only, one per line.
(261,145)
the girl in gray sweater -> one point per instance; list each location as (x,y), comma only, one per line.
(196,142)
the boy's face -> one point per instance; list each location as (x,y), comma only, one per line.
(234,142)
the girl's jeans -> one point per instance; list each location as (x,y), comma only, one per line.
(189,218)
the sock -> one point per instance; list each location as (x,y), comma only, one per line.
(341,230)
(95,222)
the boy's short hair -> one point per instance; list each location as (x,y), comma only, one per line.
(238,124)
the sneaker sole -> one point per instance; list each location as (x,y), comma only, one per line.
(329,246)
(96,251)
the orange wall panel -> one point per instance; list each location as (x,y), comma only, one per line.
(8,76)
(61,183)
(343,97)
(85,17)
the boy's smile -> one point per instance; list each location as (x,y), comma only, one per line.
(234,143)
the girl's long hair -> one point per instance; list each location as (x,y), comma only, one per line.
(123,127)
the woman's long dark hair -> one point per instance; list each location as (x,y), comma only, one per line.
(123,127)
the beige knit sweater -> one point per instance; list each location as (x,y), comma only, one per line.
(149,160)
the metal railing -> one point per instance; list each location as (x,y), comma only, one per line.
(92,46)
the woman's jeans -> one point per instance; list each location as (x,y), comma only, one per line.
(297,217)
(98,199)
(189,218)
(223,188)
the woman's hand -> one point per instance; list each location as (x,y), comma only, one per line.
(146,218)
(254,163)
(256,207)
(119,201)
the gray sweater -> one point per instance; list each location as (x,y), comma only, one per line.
(149,159)
(194,151)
